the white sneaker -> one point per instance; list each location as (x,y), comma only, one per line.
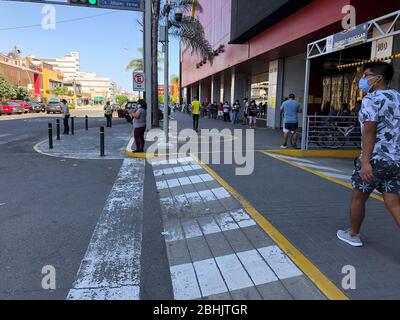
(283,147)
(346,237)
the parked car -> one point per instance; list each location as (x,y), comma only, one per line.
(54,107)
(34,106)
(23,104)
(10,107)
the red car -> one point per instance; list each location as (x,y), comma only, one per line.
(23,104)
(10,108)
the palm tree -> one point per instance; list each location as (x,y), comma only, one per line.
(189,31)
(138,64)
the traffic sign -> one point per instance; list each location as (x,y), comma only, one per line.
(136,5)
(130,5)
(138,81)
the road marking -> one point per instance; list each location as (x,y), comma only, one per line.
(283,267)
(111,266)
(257,268)
(296,159)
(313,166)
(320,174)
(327,287)
(184,282)
(185,181)
(233,272)
(209,277)
(338,176)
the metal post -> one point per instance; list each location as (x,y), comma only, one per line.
(72,125)
(58,129)
(86,123)
(50,129)
(147,61)
(101,141)
(304,141)
(166,80)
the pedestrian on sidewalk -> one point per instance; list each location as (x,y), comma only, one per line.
(245,110)
(196,113)
(64,105)
(108,111)
(227,110)
(139,115)
(235,112)
(290,108)
(378,166)
(252,114)
(220,112)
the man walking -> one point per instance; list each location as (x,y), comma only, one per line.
(196,113)
(379,164)
(290,109)
(64,105)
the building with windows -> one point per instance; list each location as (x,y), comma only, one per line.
(261,49)
(69,65)
(95,89)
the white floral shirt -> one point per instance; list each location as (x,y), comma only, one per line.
(383,107)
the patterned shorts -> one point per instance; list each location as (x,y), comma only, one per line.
(387,177)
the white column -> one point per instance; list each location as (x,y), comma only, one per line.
(222,90)
(275,93)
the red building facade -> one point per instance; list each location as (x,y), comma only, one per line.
(261,49)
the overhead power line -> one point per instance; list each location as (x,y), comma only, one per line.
(59,22)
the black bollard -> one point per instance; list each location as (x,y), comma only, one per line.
(72,125)
(50,129)
(101,141)
(86,123)
(58,129)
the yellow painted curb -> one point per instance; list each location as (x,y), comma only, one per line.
(327,287)
(317,153)
(319,174)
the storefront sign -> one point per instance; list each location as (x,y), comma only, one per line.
(383,47)
(349,38)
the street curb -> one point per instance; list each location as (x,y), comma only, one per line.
(344,154)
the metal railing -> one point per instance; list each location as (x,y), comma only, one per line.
(337,132)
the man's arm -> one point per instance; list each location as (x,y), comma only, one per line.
(368,145)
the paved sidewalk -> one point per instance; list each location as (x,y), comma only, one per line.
(215,250)
(308,209)
(86,144)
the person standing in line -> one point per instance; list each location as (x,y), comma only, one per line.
(196,113)
(227,110)
(139,116)
(245,110)
(252,114)
(64,105)
(235,112)
(108,111)
(290,108)
(220,112)
(378,167)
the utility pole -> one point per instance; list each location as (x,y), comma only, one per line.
(166,73)
(147,60)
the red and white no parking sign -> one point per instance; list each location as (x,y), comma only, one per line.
(138,81)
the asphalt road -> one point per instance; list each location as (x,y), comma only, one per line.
(49,208)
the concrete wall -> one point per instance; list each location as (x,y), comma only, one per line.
(294,77)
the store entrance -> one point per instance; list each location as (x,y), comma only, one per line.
(338,78)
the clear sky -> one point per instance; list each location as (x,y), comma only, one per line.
(106,42)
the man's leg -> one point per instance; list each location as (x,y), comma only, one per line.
(357,211)
(136,135)
(392,202)
(194,122)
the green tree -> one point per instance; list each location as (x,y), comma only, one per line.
(60,91)
(6,91)
(19,93)
(121,100)
(137,65)
(189,31)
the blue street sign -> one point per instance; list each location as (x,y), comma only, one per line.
(136,5)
